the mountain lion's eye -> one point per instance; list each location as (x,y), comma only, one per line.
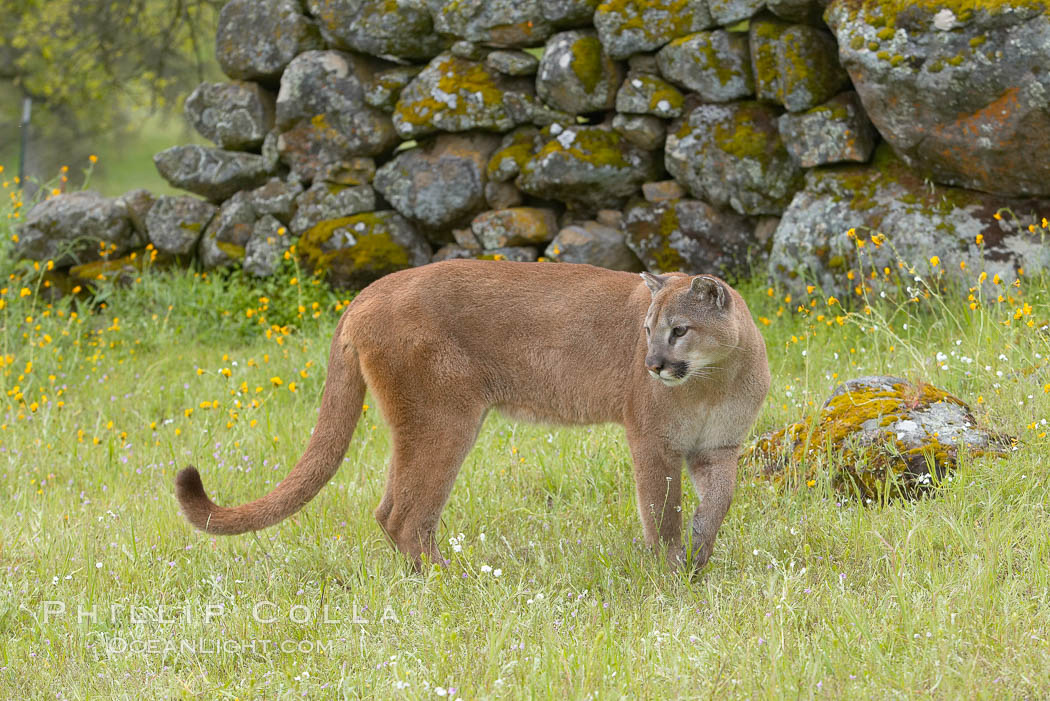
(678,331)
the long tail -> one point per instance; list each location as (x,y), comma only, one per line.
(344,391)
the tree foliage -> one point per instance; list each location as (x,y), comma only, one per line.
(87,64)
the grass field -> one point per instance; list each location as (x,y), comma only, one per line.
(549,591)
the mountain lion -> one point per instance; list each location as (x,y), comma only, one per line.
(677,361)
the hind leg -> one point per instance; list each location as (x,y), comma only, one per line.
(427,457)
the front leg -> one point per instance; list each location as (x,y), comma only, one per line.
(658,483)
(714,476)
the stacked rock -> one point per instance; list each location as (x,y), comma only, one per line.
(697,135)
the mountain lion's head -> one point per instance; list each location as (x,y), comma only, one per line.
(690,326)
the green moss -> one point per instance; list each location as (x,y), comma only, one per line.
(856,43)
(599,147)
(887,13)
(519,152)
(194,226)
(741,138)
(458,77)
(666,17)
(886,33)
(956,60)
(873,46)
(232,250)
(977,41)
(897,60)
(936,67)
(588,62)
(883,55)
(803,447)
(764,36)
(707,57)
(373,251)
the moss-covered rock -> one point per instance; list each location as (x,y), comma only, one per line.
(837,131)
(576,75)
(441,183)
(277,198)
(690,236)
(913,220)
(643,130)
(457,94)
(732,155)
(503,23)
(323,117)
(378,27)
(228,232)
(383,90)
(211,172)
(356,250)
(590,167)
(175,224)
(235,116)
(879,436)
(795,65)
(256,39)
(74,228)
(959,89)
(595,244)
(716,65)
(730,11)
(327,201)
(516,226)
(513,153)
(632,26)
(646,93)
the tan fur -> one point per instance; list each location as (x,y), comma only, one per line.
(441,345)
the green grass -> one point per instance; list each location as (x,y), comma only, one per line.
(808,594)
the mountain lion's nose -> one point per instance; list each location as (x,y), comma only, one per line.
(655,365)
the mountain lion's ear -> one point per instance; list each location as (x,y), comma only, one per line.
(710,290)
(655,283)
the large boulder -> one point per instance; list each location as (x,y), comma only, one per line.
(575,75)
(879,437)
(399,28)
(588,167)
(212,172)
(632,26)
(457,94)
(690,236)
(327,201)
(441,184)
(356,250)
(837,131)
(323,115)
(175,224)
(595,244)
(961,95)
(516,226)
(256,39)
(75,228)
(827,236)
(732,155)
(223,242)
(505,23)
(795,65)
(235,116)
(716,65)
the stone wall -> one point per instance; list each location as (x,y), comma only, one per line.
(827,141)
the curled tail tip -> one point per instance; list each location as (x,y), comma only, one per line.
(188,485)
